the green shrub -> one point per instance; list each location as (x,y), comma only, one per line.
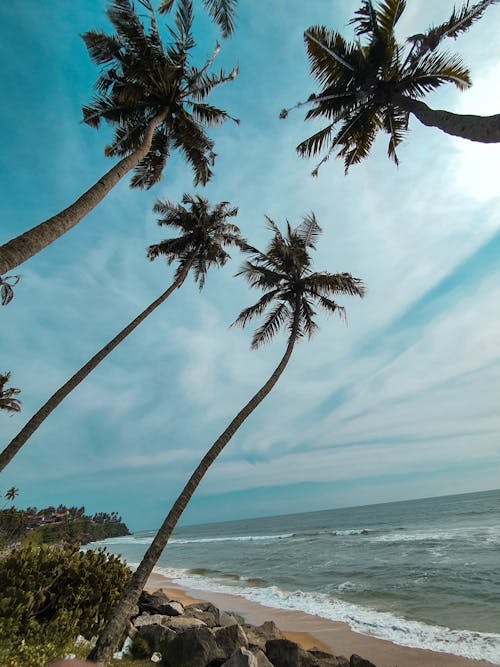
(49,595)
(140,648)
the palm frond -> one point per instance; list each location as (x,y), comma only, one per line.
(309,231)
(432,70)
(459,21)
(334,283)
(365,19)
(307,313)
(102,48)
(389,13)
(165,6)
(256,310)
(7,400)
(223,13)
(210,115)
(396,124)
(197,148)
(149,170)
(327,51)
(316,142)
(278,316)
(331,307)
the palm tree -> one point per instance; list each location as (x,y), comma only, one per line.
(221,11)
(153,98)
(204,231)
(7,400)
(374,86)
(11,493)
(290,289)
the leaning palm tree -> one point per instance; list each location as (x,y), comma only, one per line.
(372,86)
(290,289)
(7,400)
(204,232)
(155,100)
(221,11)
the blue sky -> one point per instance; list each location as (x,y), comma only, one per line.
(401,403)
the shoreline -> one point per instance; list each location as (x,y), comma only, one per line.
(313,631)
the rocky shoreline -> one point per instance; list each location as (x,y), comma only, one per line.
(202,635)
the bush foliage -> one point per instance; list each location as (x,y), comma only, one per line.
(49,595)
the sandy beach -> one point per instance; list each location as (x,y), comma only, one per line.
(312,631)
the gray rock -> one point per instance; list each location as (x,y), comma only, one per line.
(195,647)
(152,601)
(261,657)
(258,635)
(241,658)
(155,635)
(229,639)
(172,608)
(204,611)
(324,659)
(358,661)
(181,623)
(285,653)
(230,618)
(150,619)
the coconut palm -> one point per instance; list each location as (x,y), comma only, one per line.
(7,400)
(373,85)
(290,289)
(155,100)
(221,11)
(204,232)
(11,494)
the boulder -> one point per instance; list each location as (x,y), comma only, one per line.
(155,635)
(159,603)
(151,601)
(324,659)
(195,647)
(258,635)
(230,618)
(204,611)
(229,639)
(261,657)
(358,661)
(285,653)
(150,619)
(181,623)
(241,658)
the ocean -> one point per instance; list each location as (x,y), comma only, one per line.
(421,573)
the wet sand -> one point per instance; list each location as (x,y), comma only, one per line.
(312,631)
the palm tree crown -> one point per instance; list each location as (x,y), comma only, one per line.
(204,233)
(7,400)
(142,79)
(11,493)
(364,84)
(291,288)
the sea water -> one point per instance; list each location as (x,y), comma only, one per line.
(421,573)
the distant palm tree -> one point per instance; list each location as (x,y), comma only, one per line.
(221,11)
(374,86)
(7,400)
(290,289)
(204,232)
(153,98)
(11,493)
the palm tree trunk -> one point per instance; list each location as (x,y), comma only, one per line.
(484,129)
(22,247)
(110,636)
(39,417)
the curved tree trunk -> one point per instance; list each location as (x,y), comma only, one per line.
(110,636)
(484,129)
(39,417)
(22,247)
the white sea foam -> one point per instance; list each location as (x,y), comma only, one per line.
(384,625)
(127,540)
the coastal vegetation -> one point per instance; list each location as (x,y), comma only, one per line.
(57,525)
(204,232)
(155,100)
(51,594)
(291,291)
(373,84)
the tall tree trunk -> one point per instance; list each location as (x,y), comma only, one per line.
(39,417)
(22,247)
(484,129)
(110,636)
